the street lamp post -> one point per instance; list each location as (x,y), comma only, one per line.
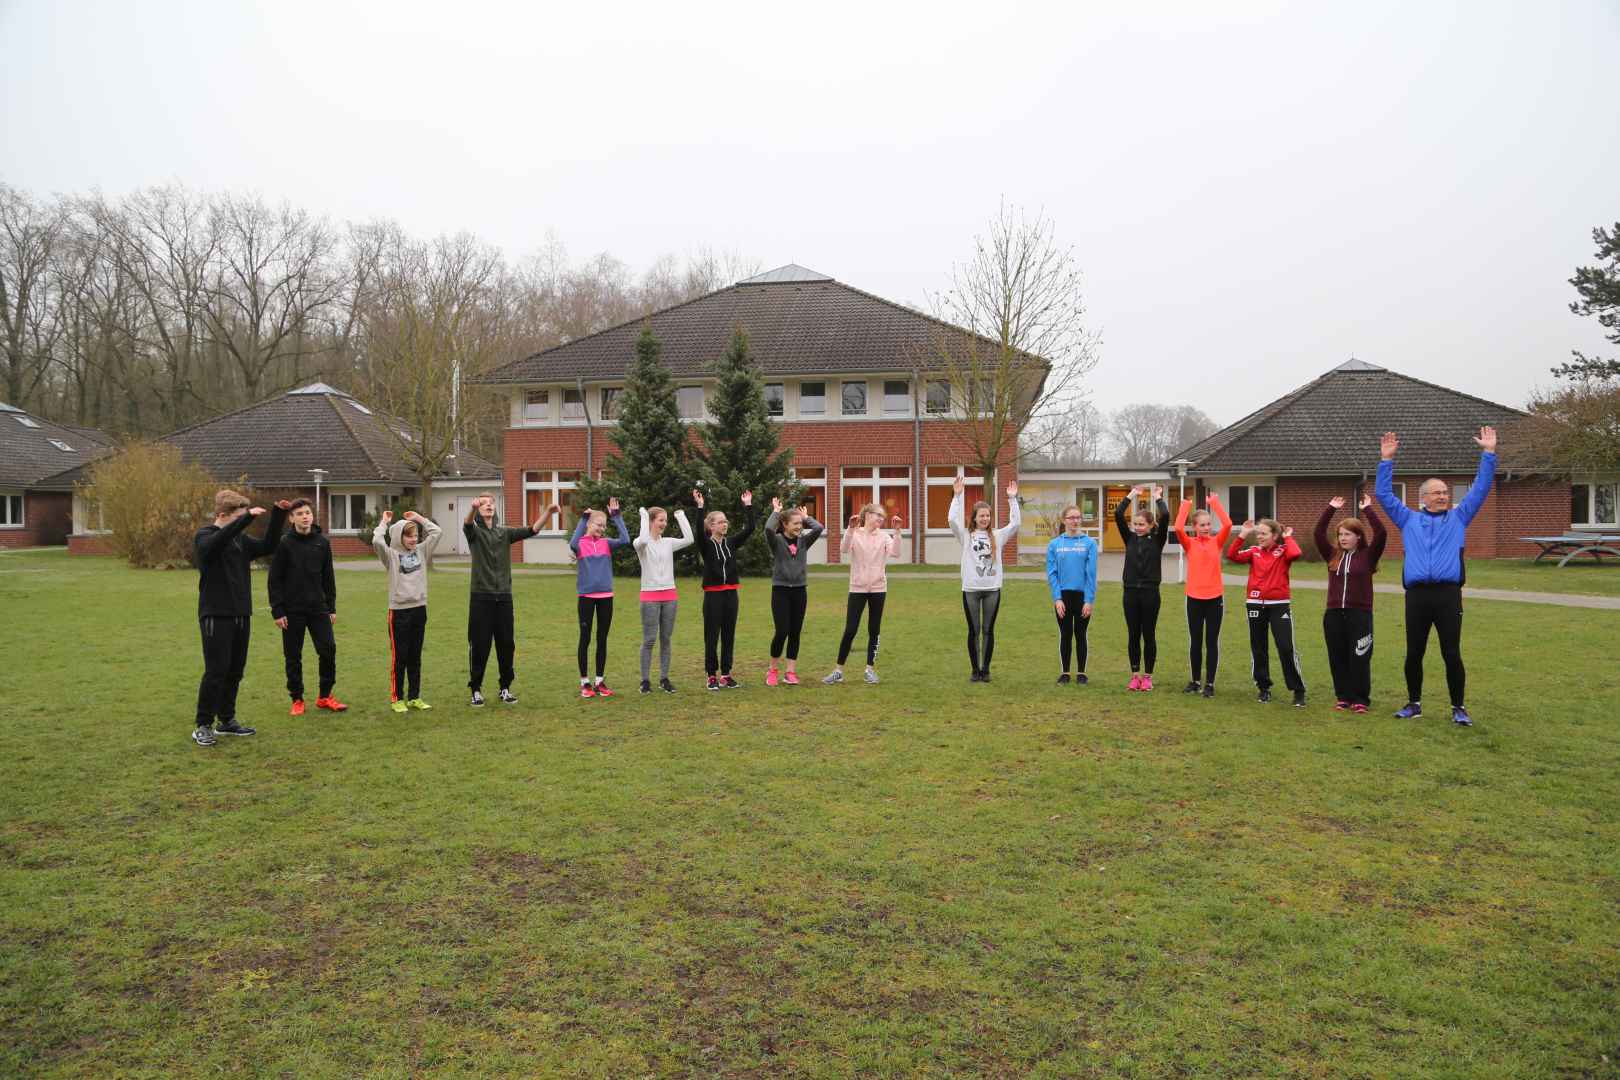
(319,475)
(1181,496)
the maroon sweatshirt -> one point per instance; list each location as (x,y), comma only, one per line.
(1350,586)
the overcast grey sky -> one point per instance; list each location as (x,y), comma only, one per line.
(1256,191)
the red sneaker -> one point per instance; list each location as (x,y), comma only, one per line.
(770,677)
(1147,682)
(297,707)
(1135,683)
(791,678)
(1358,708)
(329,703)
(602,690)
(587,690)
(1341,705)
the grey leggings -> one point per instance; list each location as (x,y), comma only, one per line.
(981,607)
(657,624)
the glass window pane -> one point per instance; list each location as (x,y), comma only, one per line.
(533,505)
(1086,500)
(939,503)
(1238,503)
(812,398)
(854,399)
(340,512)
(568,478)
(573,405)
(941,471)
(896,396)
(939,396)
(1265,501)
(811,499)
(690,400)
(1458,493)
(774,398)
(896,500)
(610,402)
(810,472)
(855,497)
(1603,503)
(1580,504)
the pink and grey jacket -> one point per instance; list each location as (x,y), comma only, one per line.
(594,576)
(869,553)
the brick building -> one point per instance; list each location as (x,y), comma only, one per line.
(846,377)
(39,461)
(1288,458)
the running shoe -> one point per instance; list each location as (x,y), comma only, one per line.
(1147,682)
(602,689)
(1358,709)
(1264,698)
(418,703)
(646,686)
(984,676)
(728,683)
(1460,717)
(297,707)
(714,683)
(1136,682)
(1341,705)
(1410,711)
(477,699)
(666,686)
(1209,689)
(977,676)
(586,690)
(507,697)
(231,727)
(330,704)
(1299,699)
(1080,679)
(1192,687)
(1064,680)
(833,678)
(770,677)
(397,705)
(791,678)
(203,735)
(871,677)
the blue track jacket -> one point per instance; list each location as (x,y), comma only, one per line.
(1071,564)
(1434,542)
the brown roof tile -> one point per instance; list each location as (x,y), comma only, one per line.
(29,459)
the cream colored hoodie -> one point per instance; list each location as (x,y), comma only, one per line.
(407,570)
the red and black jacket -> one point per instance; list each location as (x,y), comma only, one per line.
(1268,569)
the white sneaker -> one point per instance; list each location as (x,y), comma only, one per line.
(833,678)
(871,677)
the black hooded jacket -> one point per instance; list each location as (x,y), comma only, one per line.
(1143,553)
(301,577)
(719,554)
(222,555)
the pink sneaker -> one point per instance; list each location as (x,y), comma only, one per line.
(1136,683)
(770,677)
(791,678)
(1147,682)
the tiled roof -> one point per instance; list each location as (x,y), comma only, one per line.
(279,440)
(1332,426)
(798,322)
(28,458)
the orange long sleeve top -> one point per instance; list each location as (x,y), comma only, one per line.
(1203,553)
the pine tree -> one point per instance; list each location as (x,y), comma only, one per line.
(653,465)
(741,448)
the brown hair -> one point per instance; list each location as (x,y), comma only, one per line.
(973,518)
(296,503)
(655,511)
(1275,526)
(409,529)
(1355,525)
(783,518)
(227,501)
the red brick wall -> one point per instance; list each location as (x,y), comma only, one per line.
(89,544)
(47,519)
(830,444)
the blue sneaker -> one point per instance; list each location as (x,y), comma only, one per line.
(1411,712)
(1460,717)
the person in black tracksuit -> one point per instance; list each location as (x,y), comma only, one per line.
(1144,553)
(303,595)
(1347,624)
(719,554)
(223,554)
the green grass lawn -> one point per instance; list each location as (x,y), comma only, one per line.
(922,878)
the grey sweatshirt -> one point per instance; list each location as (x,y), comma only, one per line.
(788,558)
(407,570)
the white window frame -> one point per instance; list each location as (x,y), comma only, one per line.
(6,507)
(604,395)
(1250,488)
(905,397)
(1592,521)
(867,478)
(537,413)
(947,482)
(928,401)
(776,415)
(821,412)
(91,513)
(573,412)
(813,482)
(62,446)
(866,398)
(549,483)
(26,421)
(349,527)
(680,407)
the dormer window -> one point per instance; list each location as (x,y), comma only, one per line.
(62,446)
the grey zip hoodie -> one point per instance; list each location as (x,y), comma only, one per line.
(789,557)
(407,570)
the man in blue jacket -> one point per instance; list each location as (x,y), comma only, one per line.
(1434,538)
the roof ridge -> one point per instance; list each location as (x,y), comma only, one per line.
(930,318)
(382,474)
(1458,393)
(1270,409)
(221,416)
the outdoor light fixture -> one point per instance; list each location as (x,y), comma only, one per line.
(1181,495)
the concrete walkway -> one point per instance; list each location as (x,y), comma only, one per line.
(1109,569)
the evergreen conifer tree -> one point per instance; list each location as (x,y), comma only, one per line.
(741,449)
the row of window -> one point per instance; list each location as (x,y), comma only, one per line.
(895,400)
(889,486)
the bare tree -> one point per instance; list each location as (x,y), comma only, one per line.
(1146,433)
(29,232)
(1193,425)
(1026,350)
(1078,437)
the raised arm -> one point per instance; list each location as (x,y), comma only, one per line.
(1384,484)
(812,531)
(1380,535)
(894,541)
(1121,519)
(1237,552)
(953,517)
(1323,547)
(686,532)
(746,531)
(1161,522)
(579,531)
(643,537)
(379,540)
(1291,548)
(266,544)
(617,519)
(1221,516)
(1481,487)
(1015,516)
(1181,523)
(772,537)
(207,550)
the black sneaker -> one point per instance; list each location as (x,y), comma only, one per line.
(1209,689)
(666,686)
(984,676)
(203,735)
(1191,688)
(508,698)
(976,677)
(477,699)
(1080,679)
(231,727)
(1264,698)
(1063,679)
(646,687)
(714,683)
(1299,699)
(728,683)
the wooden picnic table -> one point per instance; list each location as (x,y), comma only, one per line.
(1570,545)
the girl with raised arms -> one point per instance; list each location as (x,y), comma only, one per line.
(719,554)
(594,582)
(790,535)
(659,600)
(1144,539)
(981,571)
(1206,599)
(869,549)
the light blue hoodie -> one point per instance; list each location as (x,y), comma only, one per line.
(1071,566)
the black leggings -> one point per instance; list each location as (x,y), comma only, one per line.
(1072,627)
(1204,634)
(981,606)
(406,628)
(787,612)
(1439,606)
(1141,624)
(601,608)
(1279,620)
(1349,636)
(719,630)
(852,622)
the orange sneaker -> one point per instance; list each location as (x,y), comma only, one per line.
(330,703)
(297,707)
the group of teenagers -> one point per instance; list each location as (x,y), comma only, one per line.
(303,594)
